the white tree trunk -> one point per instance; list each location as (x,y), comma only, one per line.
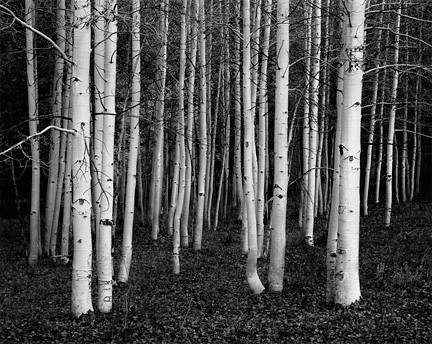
(81,200)
(104,259)
(190,125)
(99,108)
(126,255)
(238,175)
(308,224)
(181,143)
(347,284)
(305,132)
(391,126)
(262,140)
(202,132)
(158,156)
(280,186)
(251,265)
(334,211)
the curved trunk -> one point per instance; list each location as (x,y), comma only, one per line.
(251,265)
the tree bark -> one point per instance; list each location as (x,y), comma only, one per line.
(81,201)
(280,183)
(347,284)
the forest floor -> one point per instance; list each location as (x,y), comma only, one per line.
(210,302)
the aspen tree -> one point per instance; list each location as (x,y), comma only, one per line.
(414,158)
(225,77)
(416,149)
(308,225)
(227,107)
(396,168)
(254,48)
(372,122)
(325,103)
(238,175)
(174,187)
(158,156)
(57,162)
(66,221)
(126,254)
(34,141)
(190,123)
(381,131)
(61,177)
(212,154)
(211,122)
(180,142)
(67,113)
(280,187)
(404,154)
(81,201)
(104,263)
(202,132)
(55,181)
(251,265)
(305,132)
(391,126)
(347,284)
(262,114)
(334,210)
(52,182)
(99,108)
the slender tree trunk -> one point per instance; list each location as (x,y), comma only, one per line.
(158,156)
(238,174)
(58,139)
(66,224)
(391,127)
(262,114)
(306,130)
(308,225)
(280,187)
(67,113)
(333,225)
(190,124)
(251,265)
(371,135)
(106,226)
(225,84)
(202,132)
(414,158)
(81,201)
(404,155)
(381,135)
(53,176)
(180,142)
(134,143)
(33,128)
(99,108)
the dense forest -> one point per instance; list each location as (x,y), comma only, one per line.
(274,123)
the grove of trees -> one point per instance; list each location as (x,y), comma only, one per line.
(176,115)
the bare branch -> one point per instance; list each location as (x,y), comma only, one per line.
(31,28)
(16,145)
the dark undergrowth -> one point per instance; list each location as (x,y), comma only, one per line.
(209,302)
